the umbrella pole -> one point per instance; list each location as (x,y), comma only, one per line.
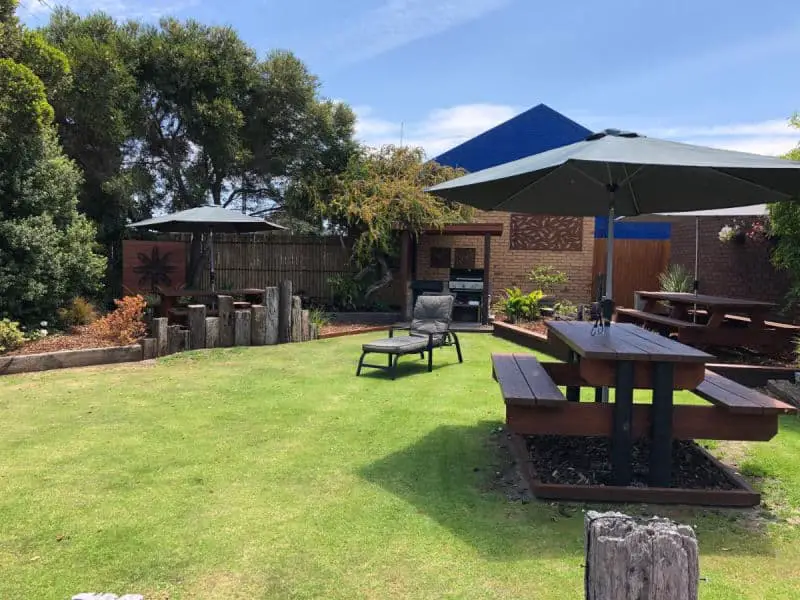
(212,273)
(696,283)
(609,291)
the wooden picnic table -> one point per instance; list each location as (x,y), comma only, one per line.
(627,357)
(718,307)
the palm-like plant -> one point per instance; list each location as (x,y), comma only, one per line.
(676,278)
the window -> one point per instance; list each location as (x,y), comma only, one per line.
(464,258)
(440,258)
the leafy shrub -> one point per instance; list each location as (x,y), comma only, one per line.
(565,309)
(518,305)
(125,324)
(676,278)
(318,317)
(347,292)
(11,336)
(78,312)
(547,279)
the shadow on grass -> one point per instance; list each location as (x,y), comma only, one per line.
(406,367)
(451,476)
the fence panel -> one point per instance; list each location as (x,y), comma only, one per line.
(637,265)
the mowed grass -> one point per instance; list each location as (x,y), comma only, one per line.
(276,473)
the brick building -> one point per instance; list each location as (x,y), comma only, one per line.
(527,241)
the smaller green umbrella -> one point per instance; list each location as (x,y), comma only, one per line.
(207,220)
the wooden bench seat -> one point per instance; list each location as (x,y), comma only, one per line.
(525,382)
(631,315)
(737,398)
(787,327)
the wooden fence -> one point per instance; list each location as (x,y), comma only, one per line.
(637,265)
(261,261)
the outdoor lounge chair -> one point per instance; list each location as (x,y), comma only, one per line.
(429,329)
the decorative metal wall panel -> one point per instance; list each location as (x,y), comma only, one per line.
(544,232)
(464,258)
(440,257)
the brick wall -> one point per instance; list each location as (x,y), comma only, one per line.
(728,269)
(510,267)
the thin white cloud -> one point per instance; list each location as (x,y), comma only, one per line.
(440,130)
(443,129)
(39,10)
(395,23)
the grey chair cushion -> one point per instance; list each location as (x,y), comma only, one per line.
(432,314)
(405,344)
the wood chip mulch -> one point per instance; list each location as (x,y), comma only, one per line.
(587,461)
(344,328)
(80,339)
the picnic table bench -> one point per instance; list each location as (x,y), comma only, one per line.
(723,322)
(629,358)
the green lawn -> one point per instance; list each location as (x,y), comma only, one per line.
(275,473)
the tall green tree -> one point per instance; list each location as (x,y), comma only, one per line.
(46,247)
(381,193)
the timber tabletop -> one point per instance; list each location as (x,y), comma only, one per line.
(622,341)
(690,298)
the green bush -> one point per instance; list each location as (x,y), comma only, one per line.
(518,305)
(676,278)
(78,312)
(347,292)
(547,279)
(319,317)
(11,337)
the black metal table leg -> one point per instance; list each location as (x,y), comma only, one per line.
(621,435)
(661,433)
(573,391)
(458,346)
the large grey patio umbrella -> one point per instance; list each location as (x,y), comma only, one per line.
(207,220)
(620,173)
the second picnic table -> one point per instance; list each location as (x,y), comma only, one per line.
(627,357)
(712,320)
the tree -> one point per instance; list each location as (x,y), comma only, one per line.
(46,246)
(381,193)
(785,227)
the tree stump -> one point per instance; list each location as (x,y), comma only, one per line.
(271,318)
(628,559)
(212,332)
(297,323)
(149,348)
(305,326)
(160,325)
(175,339)
(197,326)
(285,312)
(242,328)
(226,324)
(258,322)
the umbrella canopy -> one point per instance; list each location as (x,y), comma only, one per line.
(645,175)
(204,219)
(615,172)
(756,210)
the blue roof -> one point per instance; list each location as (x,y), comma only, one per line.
(536,130)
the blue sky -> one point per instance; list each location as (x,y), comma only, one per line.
(713,72)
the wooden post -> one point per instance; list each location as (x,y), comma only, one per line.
(271,318)
(285,312)
(175,339)
(305,322)
(149,348)
(314,331)
(573,391)
(628,559)
(226,324)
(212,332)
(621,431)
(160,325)
(184,343)
(487,267)
(296,326)
(242,328)
(197,326)
(661,432)
(258,321)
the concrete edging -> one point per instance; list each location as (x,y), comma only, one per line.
(29,363)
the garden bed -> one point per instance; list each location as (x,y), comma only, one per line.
(576,468)
(333,330)
(82,338)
